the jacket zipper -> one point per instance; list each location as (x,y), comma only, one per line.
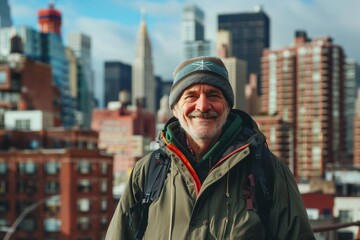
(186,162)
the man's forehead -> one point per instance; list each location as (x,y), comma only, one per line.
(201,87)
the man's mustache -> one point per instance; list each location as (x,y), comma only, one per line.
(208,114)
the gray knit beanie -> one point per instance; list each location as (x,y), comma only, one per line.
(206,70)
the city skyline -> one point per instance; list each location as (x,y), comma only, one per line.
(116,23)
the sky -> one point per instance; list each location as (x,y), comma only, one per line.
(113,25)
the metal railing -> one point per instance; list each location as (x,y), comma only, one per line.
(337,226)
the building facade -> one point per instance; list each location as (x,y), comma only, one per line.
(54,185)
(236,68)
(192,34)
(126,134)
(304,85)
(53,52)
(143,90)
(81,45)
(352,84)
(117,77)
(5,16)
(250,35)
(27,85)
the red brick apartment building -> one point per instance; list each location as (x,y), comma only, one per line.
(29,86)
(126,133)
(304,85)
(57,183)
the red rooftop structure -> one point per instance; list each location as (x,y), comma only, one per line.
(50,20)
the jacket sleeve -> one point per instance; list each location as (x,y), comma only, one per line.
(122,224)
(288,218)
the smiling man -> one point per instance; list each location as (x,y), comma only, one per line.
(222,181)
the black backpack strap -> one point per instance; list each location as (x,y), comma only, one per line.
(258,189)
(158,168)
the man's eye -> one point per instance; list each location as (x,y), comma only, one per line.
(214,96)
(190,97)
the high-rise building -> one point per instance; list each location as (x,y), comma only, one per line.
(5,16)
(357,131)
(236,68)
(117,77)
(143,90)
(250,33)
(53,52)
(81,46)
(304,85)
(352,84)
(192,34)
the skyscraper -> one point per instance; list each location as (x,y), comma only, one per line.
(117,77)
(236,68)
(143,79)
(81,45)
(193,33)
(352,84)
(250,33)
(5,17)
(53,52)
(304,85)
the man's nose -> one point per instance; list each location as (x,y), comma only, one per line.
(203,103)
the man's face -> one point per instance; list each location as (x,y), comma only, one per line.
(202,111)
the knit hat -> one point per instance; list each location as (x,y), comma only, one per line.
(206,70)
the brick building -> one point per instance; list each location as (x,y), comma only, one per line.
(304,85)
(27,86)
(57,183)
(125,133)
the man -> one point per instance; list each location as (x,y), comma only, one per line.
(206,193)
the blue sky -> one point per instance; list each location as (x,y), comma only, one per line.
(113,25)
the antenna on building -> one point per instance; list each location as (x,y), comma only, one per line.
(51,3)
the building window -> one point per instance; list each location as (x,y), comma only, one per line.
(83,205)
(104,222)
(52,167)
(345,216)
(4,223)
(84,167)
(3,168)
(104,168)
(22,124)
(84,185)
(3,186)
(27,186)
(22,205)
(103,186)
(52,225)
(52,205)
(4,206)
(27,224)
(83,223)
(103,204)
(27,167)
(52,186)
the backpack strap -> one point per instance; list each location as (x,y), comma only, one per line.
(158,168)
(258,189)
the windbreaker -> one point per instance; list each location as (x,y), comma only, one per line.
(214,208)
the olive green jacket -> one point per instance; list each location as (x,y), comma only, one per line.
(213,209)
